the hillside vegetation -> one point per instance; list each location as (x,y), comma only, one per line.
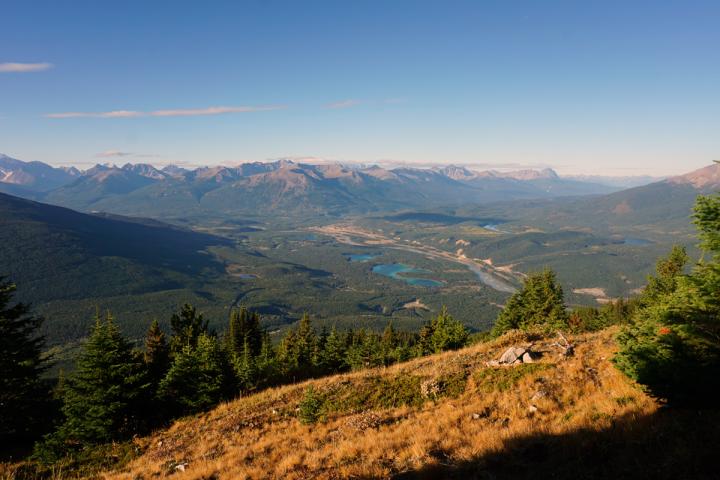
(448,415)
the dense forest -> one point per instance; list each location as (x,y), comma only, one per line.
(669,343)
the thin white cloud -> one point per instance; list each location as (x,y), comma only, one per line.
(111,114)
(212,111)
(24,67)
(112,153)
(343,104)
(119,153)
(185,112)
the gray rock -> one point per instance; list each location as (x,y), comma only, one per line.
(512,355)
(528,357)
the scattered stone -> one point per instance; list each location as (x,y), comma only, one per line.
(512,355)
(532,409)
(430,388)
(538,395)
(180,467)
(476,416)
(160,443)
(528,357)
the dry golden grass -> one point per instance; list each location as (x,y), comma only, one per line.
(260,437)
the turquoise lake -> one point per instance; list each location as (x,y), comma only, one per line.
(393,270)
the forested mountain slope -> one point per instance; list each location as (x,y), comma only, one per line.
(59,254)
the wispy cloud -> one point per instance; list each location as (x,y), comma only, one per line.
(185,112)
(112,153)
(111,114)
(343,104)
(24,67)
(212,111)
(119,153)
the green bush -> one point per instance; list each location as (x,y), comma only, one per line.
(312,407)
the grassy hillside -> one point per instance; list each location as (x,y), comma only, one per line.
(446,416)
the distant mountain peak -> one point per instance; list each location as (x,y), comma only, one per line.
(35,176)
(145,170)
(457,172)
(174,171)
(705,178)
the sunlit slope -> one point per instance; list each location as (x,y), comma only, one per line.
(449,415)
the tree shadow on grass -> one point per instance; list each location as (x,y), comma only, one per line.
(671,444)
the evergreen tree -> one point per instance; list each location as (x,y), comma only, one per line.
(254,334)
(157,354)
(157,362)
(672,345)
(366,351)
(297,350)
(245,368)
(539,304)
(389,345)
(197,378)
(305,343)
(668,271)
(235,336)
(22,394)
(267,365)
(103,398)
(187,326)
(334,352)
(447,333)
(424,345)
(243,344)
(244,327)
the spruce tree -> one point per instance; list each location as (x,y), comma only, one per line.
(237,330)
(672,345)
(187,326)
(157,362)
(157,353)
(22,394)
(245,368)
(447,333)
(103,398)
(333,353)
(539,305)
(305,343)
(267,365)
(197,379)
(388,345)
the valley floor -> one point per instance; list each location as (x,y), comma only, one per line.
(446,416)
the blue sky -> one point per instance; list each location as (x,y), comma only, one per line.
(616,87)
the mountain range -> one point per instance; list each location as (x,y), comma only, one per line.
(280,186)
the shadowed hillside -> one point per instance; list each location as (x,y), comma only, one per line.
(59,254)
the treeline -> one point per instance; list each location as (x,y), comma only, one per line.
(117,391)
(539,306)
